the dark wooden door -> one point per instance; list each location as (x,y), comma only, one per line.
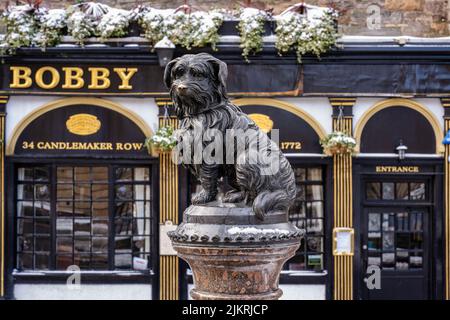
(396,239)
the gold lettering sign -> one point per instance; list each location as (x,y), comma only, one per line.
(262,121)
(83,124)
(71,78)
(397,169)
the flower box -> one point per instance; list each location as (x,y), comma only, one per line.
(229,28)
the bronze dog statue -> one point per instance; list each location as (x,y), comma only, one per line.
(197,88)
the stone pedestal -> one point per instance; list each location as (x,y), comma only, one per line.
(232,254)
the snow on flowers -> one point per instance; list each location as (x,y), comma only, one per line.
(163,140)
(301,28)
(338,142)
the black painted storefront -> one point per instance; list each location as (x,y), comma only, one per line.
(358,70)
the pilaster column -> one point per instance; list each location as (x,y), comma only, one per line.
(3,102)
(343,197)
(168,210)
(446,105)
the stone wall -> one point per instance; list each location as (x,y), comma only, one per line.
(426,18)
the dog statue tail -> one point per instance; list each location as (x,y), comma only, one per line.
(269,201)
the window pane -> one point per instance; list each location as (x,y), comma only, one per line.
(388,191)
(388,240)
(100,174)
(373,191)
(82,217)
(41,209)
(100,192)
(25,174)
(82,192)
(64,174)
(42,192)
(25,192)
(64,226)
(415,260)
(82,245)
(41,174)
(374,241)
(123,261)
(25,209)
(25,261)
(314,174)
(124,192)
(417,191)
(100,244)
(374,222)
(124,174)
(64,208)
(42,244)
(99,261)
(25,226)
(100,227)
(402,190)
(82,208)
(100,210)
(64,191)
(388,260)
(141,174)
(42,226)
(63,262)
(314,244)
(300,174)
(82,227)
(82,174)
(402,221)
(314,192)
(64,245)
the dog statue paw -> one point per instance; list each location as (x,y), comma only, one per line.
(203,197)
(197,86)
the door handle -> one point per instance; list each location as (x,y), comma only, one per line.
(364,247)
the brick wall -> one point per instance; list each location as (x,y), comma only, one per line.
(427,18)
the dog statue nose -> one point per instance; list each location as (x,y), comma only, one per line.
(181,88)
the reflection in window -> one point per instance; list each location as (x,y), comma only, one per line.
(395,239)
(308,213)
(402,191)
(90,208)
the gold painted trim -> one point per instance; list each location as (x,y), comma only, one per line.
(401,103)
(293,93)
(284,106)
(447,214)
(74,101)
(2,206)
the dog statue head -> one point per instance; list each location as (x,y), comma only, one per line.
(196,83)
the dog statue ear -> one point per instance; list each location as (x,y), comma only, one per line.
(168,72)
(221,70)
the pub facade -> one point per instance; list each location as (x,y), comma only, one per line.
(83,202)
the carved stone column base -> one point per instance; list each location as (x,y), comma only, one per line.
(232,254)
(236,273)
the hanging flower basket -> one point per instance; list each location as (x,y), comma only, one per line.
(338,143)
(162,141)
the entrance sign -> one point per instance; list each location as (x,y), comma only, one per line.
(397,169)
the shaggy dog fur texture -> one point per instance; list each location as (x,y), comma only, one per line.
(197,88)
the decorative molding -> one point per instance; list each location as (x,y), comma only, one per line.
(407,103)
(343,200)
(446,105)
(74,101)
(3,102)
(168,211)
(284,106)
